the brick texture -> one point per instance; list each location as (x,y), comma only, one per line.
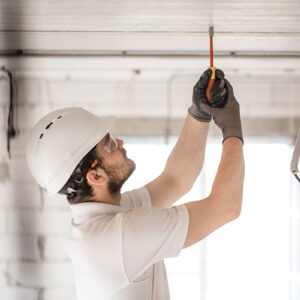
(17,293)
(59,294)
(52,222)
(18,247)
(41,274)
(21,195)
(3,275)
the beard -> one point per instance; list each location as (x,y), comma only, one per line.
(115,177)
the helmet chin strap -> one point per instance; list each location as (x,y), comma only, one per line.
(71,192)
(78,178)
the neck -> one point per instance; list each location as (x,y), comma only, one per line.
(105,197)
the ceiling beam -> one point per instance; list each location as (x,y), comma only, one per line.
(79,64)
(85,42)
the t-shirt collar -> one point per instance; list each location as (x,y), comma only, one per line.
(90,209)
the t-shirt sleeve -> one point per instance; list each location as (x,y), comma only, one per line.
(137,198)
(151,235)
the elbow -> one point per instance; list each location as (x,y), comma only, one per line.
(233,212)
(236,212)
(236,207)
(186,187)
(232,200)
(231,203)
(178,184)
(182,188)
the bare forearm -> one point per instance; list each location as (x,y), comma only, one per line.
(183,165)
(228,183)
(223,205)
(186,159)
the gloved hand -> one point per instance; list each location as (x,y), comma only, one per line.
(218,93)
(228,117)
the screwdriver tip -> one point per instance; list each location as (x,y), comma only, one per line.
(211,30)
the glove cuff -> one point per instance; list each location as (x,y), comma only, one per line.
(192,110)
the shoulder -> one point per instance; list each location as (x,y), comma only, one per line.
(136,198)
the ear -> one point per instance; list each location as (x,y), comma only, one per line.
(96,177)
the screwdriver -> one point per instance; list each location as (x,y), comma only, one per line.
(211,54)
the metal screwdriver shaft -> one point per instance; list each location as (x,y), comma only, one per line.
(211,54)
(211,51)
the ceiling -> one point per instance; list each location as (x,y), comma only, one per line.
(140,26)
(163,46)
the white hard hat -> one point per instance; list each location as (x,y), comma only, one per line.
(59,141)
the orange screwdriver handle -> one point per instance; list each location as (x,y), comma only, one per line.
(211,82)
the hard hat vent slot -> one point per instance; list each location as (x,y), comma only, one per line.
(59,117)
(41,135)
(49,125)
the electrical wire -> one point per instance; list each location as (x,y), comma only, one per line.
(11,131)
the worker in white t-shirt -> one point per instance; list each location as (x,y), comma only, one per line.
(118,241)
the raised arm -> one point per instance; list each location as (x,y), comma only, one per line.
(183,165)
(225,200)
(186,159)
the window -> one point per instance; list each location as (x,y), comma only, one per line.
(253,257)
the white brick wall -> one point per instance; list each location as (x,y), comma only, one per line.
(33,227)
(29,115)
(18,293)
(18,247)
(3,222)
(59,294)
(18,143)
(3,275)
(46,222)
(19,171)
(54,274)
(19,195)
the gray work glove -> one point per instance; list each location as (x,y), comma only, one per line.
(218,93)
(228,117)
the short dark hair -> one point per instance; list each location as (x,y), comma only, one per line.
(77,189)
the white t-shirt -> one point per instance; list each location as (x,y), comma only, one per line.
(117,252)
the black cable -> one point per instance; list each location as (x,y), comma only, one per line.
(11,132)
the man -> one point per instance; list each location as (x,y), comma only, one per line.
(117,240)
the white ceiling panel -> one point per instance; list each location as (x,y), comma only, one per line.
(167,26)
(149,43)
(143,15)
